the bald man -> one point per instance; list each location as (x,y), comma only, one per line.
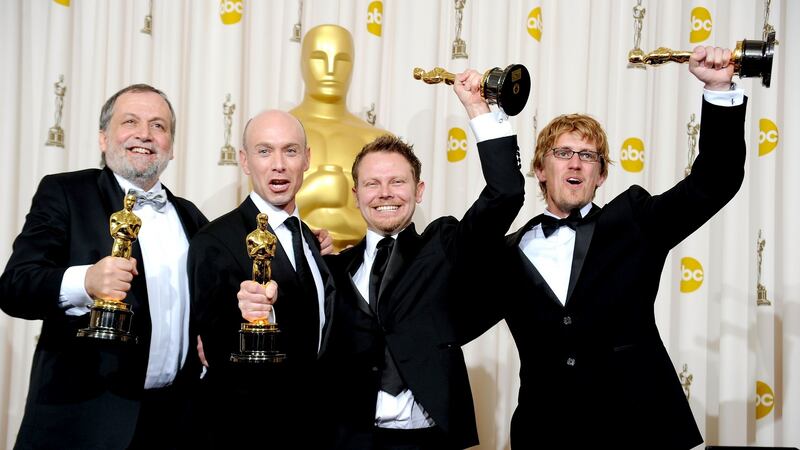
(248,402)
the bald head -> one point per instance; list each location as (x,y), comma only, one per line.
(274,118)
(275,156)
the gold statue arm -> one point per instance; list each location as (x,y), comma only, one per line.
(435,76)
(661,55)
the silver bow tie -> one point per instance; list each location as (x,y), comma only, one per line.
(158,200)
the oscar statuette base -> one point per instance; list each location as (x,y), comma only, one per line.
(109,320)
(258,343)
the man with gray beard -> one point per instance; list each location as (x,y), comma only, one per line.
(92,393)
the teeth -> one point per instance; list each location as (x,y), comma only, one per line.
(387,208)
(140,150)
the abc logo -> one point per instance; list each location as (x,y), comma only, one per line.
(375,18)
(230,11)
(62,2)
(765,400)
(632,155)
(691,274)
(535,23)
(767,136)
(701,25)
(456,144)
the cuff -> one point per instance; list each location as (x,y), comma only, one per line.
(73,298)
(492,125)
(734,97)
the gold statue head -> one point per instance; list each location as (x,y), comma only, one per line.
(327,62)
(262,221)
(129,201)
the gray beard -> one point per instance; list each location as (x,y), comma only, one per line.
(141,178)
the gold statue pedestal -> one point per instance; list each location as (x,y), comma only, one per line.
(109,320)
(258,343)
(55,137)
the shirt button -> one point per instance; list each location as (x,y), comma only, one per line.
(567,320)
(570,362)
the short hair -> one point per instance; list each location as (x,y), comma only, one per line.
(108,107)
(585,126)
(389,144)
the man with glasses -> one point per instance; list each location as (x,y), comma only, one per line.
(593,368)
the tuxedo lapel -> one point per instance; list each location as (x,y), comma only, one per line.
(406,248)
(328,290)
(583,237)
(529,269)
(351,267)
(113,198)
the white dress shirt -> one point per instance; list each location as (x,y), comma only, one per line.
(276,217)
(164,246)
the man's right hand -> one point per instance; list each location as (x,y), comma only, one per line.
(110,278)
(255,300)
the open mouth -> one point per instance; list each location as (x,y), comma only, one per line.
(279,185)
(574,181)
(387,208)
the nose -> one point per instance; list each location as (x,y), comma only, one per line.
(331,63)
(278,161)
(143,131)
(574,162)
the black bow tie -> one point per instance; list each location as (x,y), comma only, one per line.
(550,224)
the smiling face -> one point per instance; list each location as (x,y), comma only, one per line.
(275,156)
(386,191)
(571,183)
(137,141)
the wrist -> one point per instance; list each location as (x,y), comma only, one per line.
(720,86)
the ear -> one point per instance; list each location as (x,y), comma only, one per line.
(420,190)
(540,174)
(243,162)
(308,159)
(102,140)
(601,180)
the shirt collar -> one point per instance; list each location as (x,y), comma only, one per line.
(127,185)
(372,242)
(275,216)
(584,211)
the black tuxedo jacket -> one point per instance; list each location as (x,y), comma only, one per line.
(595,371)
(416,316)
(83,393)
(218,264)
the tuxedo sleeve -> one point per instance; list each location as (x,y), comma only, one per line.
(213,285)
(715,178)
(480,238)
(31,282)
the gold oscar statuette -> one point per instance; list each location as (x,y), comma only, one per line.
(507,88)
(297,28)
(692,129)
(110,319)
(227,154)
(258,340)
(148,20)
(751,58)
(459,46)
(686,378)
(55,135)
(761,290)
(334,133)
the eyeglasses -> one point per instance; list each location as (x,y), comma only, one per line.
(566,153)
